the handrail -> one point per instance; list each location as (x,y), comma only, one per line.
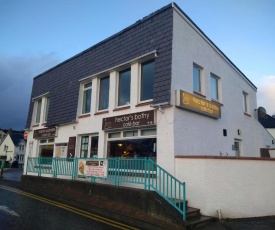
(144,171)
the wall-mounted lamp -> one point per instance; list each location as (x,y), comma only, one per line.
(239,132)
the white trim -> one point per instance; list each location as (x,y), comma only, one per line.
(120,65)
(40,96)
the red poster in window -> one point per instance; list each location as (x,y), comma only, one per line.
(71,147)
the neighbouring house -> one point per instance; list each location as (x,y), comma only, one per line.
(12,147)
(269,123)
(160,88)
(2,135)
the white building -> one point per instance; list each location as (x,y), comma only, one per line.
(13,147)
(160,88)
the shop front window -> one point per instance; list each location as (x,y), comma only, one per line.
(46,148)
(133,148)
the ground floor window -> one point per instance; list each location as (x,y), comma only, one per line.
(132,143)
(46,148)
(133,148)
(89,146)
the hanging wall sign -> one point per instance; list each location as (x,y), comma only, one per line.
(71,147)
(94,168)
(197,104)
(129,120)
(44,133)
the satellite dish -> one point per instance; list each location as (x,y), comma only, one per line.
(261,112)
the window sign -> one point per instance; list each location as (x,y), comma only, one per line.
(60,150)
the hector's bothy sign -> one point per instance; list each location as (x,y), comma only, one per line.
(129,120)
(197,104)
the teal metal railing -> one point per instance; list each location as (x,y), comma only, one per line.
(144,171)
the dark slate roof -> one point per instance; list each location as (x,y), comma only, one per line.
(267,121)
(16,137)
(151,33)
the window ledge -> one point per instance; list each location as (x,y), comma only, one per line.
(101,112)
(199,94)
(217,102)
(85,115)
(36,125)
(121,108)
(144,103)
(247,114)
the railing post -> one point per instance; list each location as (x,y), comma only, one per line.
(184,202)
(39,166)
(54,167)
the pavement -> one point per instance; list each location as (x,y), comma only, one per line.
(12,177)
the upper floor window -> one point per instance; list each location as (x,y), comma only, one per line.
(124,87)
(196,78)
(47,104)
(214,81)
(38,111)
(245,102)
(87,96)
(147,80)
(104,93)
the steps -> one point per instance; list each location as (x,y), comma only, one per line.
(194,218)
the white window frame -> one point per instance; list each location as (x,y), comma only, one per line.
(49,141)
(46,109)
(38,110)
(89,143)
(44,100)
(99,93)
(200,91)
(218,87)
(246,107)
(83,89)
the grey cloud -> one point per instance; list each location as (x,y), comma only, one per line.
(16,76)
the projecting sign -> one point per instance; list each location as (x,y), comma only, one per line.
(129,120)
(197,104)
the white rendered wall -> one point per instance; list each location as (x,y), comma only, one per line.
(272,132)
(240,188)
(196,134)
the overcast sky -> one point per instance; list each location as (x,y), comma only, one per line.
(36,35)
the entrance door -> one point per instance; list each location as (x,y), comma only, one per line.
(94,146)
(237,148)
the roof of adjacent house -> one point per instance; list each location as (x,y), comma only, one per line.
(16,138)
(267,121)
